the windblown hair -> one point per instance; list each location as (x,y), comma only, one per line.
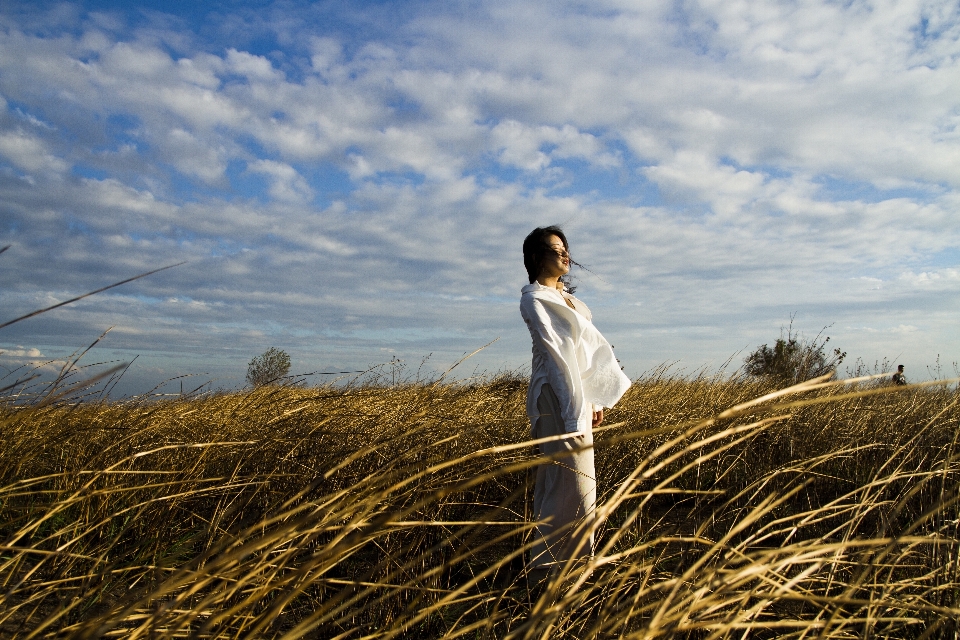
(536,249)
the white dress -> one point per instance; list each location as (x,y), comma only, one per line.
(574,371)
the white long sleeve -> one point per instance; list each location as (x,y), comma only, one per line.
(572,356)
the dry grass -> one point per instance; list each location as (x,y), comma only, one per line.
(372,511)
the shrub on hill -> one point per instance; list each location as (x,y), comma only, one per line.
(793,359)
(269,367)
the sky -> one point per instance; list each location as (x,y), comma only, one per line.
(351,182)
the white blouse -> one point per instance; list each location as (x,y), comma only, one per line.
(570,354)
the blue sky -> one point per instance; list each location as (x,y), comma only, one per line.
(351,182)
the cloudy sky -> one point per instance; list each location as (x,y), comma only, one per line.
(351,181)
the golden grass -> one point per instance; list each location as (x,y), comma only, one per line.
(825,511)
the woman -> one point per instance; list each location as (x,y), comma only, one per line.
(574,376)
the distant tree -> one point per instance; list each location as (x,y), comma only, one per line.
(268,367)
(793,359)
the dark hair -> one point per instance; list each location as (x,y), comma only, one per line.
(536,249)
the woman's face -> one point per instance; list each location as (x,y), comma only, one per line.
(557,262)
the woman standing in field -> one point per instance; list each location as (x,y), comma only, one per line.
(574,376)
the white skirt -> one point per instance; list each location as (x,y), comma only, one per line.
(565,495)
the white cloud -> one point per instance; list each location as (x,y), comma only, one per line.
(286,184)
(29,152)
(532,148)
(21,352)
(251,66)
(192,157)
(128,61)
(201,72)
(114,196)
(904,328)
(694,177)
(520,146)
(942,280)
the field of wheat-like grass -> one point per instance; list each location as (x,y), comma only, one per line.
(375,511)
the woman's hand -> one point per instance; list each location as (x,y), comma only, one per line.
(598,417)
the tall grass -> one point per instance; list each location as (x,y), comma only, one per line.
(727,510)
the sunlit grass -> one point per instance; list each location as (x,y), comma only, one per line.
(403,511)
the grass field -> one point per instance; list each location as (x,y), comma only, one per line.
(827,511)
